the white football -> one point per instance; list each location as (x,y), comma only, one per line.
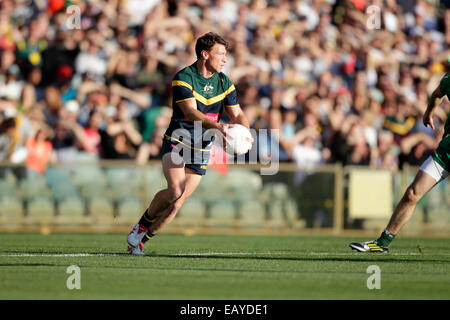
(237,143)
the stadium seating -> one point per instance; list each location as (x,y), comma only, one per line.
(40,211)
(153,175)
(292,215)
(59,181)
(62,190)
(447,198)
(88,174)
(436,201)
(276,214)
(35,176)
(124,190)
(119,175)
(211,188)
(91,195)
(129,210)
(92,190)
(30,189)
(57,175)
(222,213)
(85,158)
(241,184)
(11,211)
(252,214)
(279,191)
(192,213)
(71,211)
(101,212)
(152,181)
(8,188)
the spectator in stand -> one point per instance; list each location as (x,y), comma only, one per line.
(7,131)
(399,118)
(121,139)
(33,91)
(153,124)
(384,155)
(92,60)
(39,151)
(53,105)
(64,143)
(415,148)
(88,137)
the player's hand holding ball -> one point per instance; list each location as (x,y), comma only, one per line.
(238,139)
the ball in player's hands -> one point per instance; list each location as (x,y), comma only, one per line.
(239,140)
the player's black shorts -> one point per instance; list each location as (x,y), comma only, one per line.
(196,159)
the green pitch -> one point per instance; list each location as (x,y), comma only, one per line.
(33,266)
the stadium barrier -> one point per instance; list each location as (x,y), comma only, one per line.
(110,196)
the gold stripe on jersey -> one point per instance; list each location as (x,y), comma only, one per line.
(181,83)
(210,101)
(199,97)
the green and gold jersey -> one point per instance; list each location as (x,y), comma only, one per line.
(442,153)
(212,95)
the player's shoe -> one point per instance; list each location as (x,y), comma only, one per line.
(137,250)
(136,234)
(369,246)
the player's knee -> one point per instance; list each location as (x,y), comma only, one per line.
(411,195)
(175,193)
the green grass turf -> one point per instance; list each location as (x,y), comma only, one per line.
(220,267)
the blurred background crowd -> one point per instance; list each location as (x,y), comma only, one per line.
(335,88)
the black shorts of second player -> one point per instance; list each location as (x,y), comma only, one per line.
(196,160)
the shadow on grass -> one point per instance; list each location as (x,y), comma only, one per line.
(29,265)
(372,258)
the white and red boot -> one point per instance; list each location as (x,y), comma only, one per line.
(135,245)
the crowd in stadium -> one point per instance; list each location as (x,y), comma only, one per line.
(336,89)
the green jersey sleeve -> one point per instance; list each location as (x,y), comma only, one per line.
(182,87)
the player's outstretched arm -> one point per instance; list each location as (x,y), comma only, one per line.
(432,103)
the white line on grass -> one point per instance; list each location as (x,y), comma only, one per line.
(57,254)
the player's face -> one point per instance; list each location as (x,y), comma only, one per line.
(217,57)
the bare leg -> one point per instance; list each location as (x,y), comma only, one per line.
(166,203)
(423,182)
(176,182)
(405,208)
(165,216)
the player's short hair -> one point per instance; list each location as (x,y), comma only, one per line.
(207,41)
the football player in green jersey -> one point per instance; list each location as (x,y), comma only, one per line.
(434,170)
(201,94)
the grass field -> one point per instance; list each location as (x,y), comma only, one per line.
(33,266)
